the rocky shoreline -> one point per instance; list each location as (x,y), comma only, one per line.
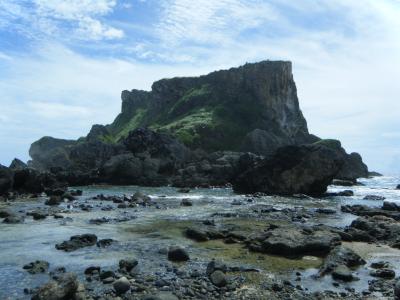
(249,234)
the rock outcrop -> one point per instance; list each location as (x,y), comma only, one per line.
(204,131)
(306,169)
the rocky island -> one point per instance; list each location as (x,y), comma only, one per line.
(205,187)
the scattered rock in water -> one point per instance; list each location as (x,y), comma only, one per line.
(343,273)
(196,234)
(53,200)
(36,267)
(104,243)
(218,278)
(340,256)
(92,270)
(141,199)
(38,215)
(326,211)
(5,213)
(380,265)
(186,202)
(215,265)
(390,206)
(65,287)
(398,187)
(128,264)
(76,192)
(346,193)
(383,273)
(121,286)
(14,219)
(106,274)
(68,196)
(374,197)
(236,202)
(184,190)
(77,242)
(178,254)
(364,210)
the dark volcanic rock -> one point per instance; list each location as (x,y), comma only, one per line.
(6,179)
(36,267)
(65,287)
(77,241)
(307,169)
(353,168)
(293,241)
(387,210)
(53,201)
(14,219)
(383,273)
(218,278)
(177,254)
(17,164)
(374,197)
(196,234)
(342,273)
(122,169)
(128,264)
(340,256)
(375,228)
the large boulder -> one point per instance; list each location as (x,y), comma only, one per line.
(353,168)
(65,287)
(122,169)
(6,179)
(50,152)
(295,241)
(306,169)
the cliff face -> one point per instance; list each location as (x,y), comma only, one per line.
(252,108)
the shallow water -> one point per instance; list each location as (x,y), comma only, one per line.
(154,229)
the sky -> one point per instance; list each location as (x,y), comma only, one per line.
(63,64)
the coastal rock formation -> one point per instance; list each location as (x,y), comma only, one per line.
(203,131)
(306,169)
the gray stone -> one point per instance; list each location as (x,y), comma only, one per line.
(122,285)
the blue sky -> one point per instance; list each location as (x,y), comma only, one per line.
(64,63)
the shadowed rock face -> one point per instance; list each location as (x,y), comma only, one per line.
(251,108)
(306,169)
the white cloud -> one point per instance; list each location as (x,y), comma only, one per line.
(79,19)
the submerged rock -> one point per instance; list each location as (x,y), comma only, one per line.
(383,273)
(14,219)
(77,242)
(343,273)
(374,197)
(340,256)
(54,200)
(36,267)
(178,254)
